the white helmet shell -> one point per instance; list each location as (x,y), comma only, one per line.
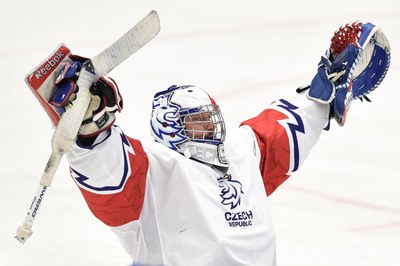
(191,96)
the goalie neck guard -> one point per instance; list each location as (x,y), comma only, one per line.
(186,119)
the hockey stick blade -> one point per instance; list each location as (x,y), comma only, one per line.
(69,124)
(127,45)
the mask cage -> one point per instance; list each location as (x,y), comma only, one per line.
(203,124)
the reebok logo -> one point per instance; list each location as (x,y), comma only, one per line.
(58,56)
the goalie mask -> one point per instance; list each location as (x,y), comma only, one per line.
(186,119)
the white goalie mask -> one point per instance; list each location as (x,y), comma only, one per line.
(186,119)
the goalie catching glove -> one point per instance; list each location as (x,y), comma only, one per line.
(354,65)
(105,98)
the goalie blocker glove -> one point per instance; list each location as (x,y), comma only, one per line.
(105,101)
(353,66)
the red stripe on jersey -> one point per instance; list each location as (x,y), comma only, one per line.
(274,147)
(124,206)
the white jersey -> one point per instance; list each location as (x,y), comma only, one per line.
(170,210)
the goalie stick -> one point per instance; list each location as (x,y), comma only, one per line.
(68,125)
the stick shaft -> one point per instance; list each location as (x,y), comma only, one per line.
(25,230)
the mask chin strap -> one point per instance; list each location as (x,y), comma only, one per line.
(204,152)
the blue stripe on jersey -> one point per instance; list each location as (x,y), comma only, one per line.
(293,128)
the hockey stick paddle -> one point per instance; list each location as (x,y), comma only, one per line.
(67,129)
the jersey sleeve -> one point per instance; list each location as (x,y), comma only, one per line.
(286,132)
(111,175)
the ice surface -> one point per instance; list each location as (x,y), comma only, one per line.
(341,208)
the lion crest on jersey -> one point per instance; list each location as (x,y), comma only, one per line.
(231,191)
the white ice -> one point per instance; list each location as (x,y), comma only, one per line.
(341,208)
